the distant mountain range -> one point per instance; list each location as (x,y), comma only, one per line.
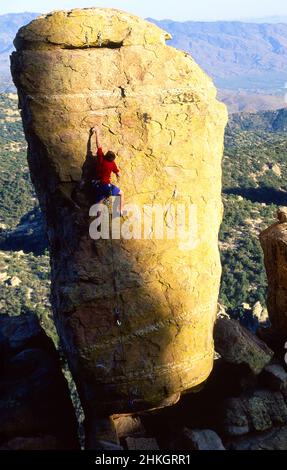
(247,61)
(266,19)
(9,25)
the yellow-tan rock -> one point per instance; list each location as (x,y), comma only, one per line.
(158,112)
(274,244)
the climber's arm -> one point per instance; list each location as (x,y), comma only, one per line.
(116,171)
(96,132)
(100,154)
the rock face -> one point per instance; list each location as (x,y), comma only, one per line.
(238,346)
(203,439)
(158,112)
(129,426)
(256,411)
(274,243)
(275,377)
(141,443)
(36,411)
(276,439)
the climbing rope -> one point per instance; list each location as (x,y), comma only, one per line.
(87,39)
(117,310)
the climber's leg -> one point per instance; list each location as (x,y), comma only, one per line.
(115,191)
(100,193)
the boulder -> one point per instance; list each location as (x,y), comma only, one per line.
(100,433)
(282,215)
(141,443)
(274,244)
(36,411)
(237,345)
(3,277)
(276,168)
(32,443)
(275,377)
(20,333)
(128,426)
(274,439)
(13,281)
(157,110)
(202,439)
(256,411)
(260,313)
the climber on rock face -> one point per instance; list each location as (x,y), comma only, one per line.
(105,166)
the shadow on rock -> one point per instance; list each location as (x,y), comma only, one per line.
(36,411)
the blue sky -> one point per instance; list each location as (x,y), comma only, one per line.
(181,10)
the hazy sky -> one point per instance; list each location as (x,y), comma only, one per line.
(181,10)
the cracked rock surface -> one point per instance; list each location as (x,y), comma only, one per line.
(158,112)
(274,244)
(36,411)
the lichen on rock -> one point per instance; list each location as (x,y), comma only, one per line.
(158,112)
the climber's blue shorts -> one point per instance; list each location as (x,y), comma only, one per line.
(105,190)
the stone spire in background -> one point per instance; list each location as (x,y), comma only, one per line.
(274,244)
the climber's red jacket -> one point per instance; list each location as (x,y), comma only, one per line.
(104,168)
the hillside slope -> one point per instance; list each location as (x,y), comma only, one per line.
(247,61)
(233,53)
(254,184)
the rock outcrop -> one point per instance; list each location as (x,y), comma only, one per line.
(238,346)
(276,439)
(36,412)
(236,409)
(256,411)
(275,376)
(158,112)
(274,244)
(141,443)
(203,439)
